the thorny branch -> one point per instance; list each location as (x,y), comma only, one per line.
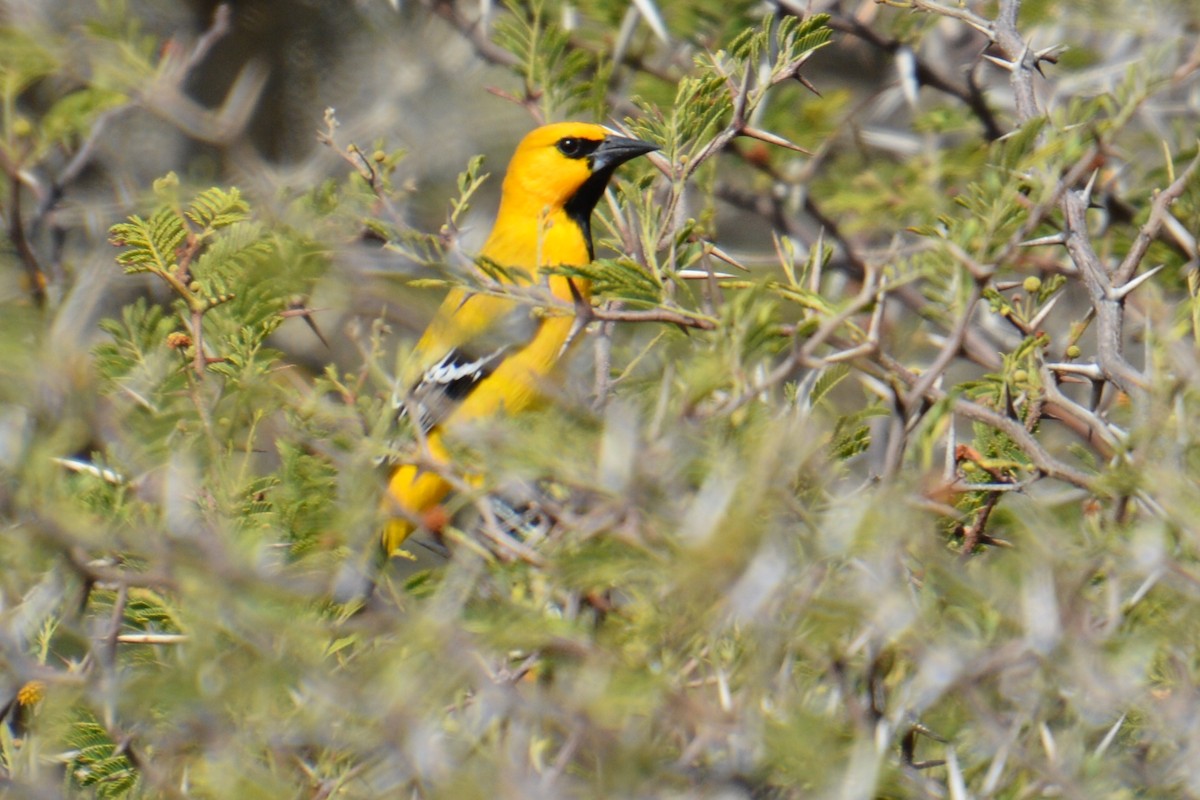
(1109,308)
(1065,207)
(1107,286)
(1159,213)
(1033,449)
(971,94)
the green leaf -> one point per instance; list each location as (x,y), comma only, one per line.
(96,763)
(618,279)
(828,378)
(217,208)
(150,244)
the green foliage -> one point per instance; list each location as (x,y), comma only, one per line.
(96,762)
(620,280)
(554,73)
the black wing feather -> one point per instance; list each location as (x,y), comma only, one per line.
(446,383)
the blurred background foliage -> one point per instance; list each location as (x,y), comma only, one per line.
(877,476)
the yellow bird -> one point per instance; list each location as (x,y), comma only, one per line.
(484,355)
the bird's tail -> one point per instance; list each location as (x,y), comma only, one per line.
(395,531)
(412,495)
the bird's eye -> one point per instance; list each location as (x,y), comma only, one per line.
(571,147)
(577,147)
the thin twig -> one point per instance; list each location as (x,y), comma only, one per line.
(473,31)
(683,318)
(1038,456)
(927,75)
(1159,211)
(16,235)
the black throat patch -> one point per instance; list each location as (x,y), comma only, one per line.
(579,208)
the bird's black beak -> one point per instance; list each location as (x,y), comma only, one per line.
(616,150)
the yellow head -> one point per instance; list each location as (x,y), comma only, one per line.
(566,166)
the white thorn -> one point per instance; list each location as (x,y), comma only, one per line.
(1000,62)
(906,65)
(1108,737)
(1119,293)
(1052,50)
(724,256)
(653,18)
(982,26)
(1087,190)
(817,255)
(957,785)
(701,274)
(1048,743)
(88,468)
(1054,238)
(1041,315)
(1092,371)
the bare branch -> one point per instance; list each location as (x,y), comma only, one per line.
(683,318)
(1038,456)
(16,234)
(926,74)
(1159,211)
(1109,310)
(1016,51)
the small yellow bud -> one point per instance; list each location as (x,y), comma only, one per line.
(1032,284)
(1074,352)
(31,693)
(177,340)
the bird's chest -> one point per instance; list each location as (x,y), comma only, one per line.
(546,240)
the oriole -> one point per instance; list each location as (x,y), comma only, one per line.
(484,355)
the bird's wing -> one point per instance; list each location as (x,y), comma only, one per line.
(444,385)
(469,337)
